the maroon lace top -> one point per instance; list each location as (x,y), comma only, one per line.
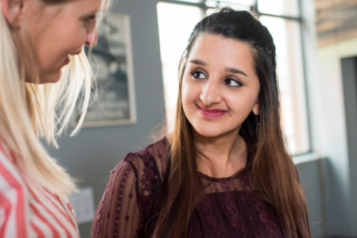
(229,208)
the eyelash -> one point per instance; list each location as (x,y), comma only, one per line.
(90,18)
(234,80)
(197,72)
(225,80)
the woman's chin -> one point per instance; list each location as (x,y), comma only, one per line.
(43,79)
(214,130)
(208,132)
(51,78)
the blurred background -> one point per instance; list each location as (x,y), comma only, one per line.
(316,44)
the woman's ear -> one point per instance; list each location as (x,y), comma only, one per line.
(256,108)
(12,11)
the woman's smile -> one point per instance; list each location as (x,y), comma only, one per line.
(211,113)
(219,85)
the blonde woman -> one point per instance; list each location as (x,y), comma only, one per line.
(43,70)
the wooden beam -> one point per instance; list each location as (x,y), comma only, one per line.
(333,4)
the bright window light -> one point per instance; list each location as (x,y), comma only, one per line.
(240,2)
(191,1)
(211,3)
(237,7)
(176,23)
(279,7)
(287,39)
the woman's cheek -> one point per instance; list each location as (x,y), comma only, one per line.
(184,91)
(186,102)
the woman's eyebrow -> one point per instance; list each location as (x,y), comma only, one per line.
(228,69)
(199,62)
(234,71)
(94,12)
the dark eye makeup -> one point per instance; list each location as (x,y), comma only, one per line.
(90,18)
(232,82)
(198,74)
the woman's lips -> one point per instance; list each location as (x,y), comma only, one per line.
(211,113)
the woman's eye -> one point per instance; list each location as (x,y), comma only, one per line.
(198,75)
(90,18)
(232,82)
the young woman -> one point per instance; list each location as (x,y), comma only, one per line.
(225,170)
(43,69)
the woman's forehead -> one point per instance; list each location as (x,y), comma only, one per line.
(80,6)
(210,45)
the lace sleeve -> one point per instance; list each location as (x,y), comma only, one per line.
(118,213)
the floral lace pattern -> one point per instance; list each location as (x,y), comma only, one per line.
(130,204)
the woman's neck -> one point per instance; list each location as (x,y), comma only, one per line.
(220,156)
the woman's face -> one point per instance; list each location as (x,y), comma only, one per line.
(219,88)
(54,32)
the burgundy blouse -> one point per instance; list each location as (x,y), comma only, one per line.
(229,208)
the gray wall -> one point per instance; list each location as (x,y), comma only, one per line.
(332,112)
(329,183)
(336,95)
(91,154)
(312,178)
(349,76)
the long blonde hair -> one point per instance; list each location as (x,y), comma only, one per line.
(29,110)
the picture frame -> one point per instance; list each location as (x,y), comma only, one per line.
(112,62)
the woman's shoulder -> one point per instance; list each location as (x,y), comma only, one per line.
(147,165)
(136,178)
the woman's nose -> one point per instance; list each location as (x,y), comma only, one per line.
(210,94)
(92,38)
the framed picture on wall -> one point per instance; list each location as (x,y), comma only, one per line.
(112,63)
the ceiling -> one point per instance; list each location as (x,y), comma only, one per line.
(336,20)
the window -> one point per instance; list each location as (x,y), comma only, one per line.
(177,19)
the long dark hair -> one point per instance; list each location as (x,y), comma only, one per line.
(272,172)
